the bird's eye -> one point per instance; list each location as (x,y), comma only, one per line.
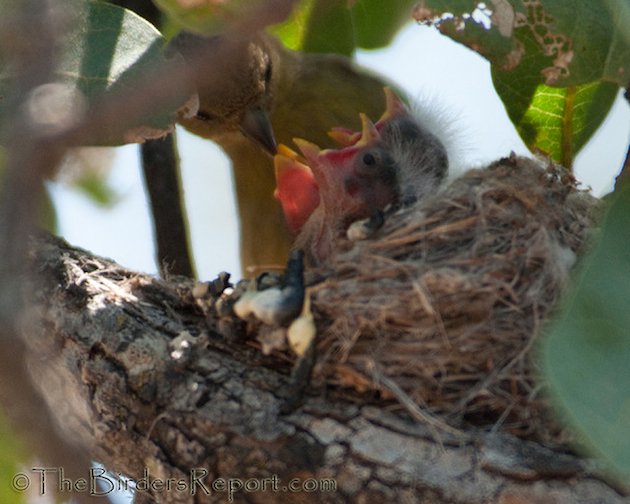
(374,164)
(204,116)
(369,159)
(369,163)
(268,73)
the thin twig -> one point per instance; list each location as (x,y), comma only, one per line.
(423,416)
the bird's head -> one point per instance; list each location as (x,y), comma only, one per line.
(351,183)
(420,156)
(356,178)
(235,87)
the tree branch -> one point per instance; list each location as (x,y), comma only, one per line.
(131,367)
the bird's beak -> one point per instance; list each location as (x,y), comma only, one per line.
(394,106)
(257,126)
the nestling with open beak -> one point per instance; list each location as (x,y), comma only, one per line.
(395,161)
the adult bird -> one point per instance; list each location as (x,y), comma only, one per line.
(258,93)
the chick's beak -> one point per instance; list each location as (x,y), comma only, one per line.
(257,126)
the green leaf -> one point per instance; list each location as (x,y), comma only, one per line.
(205,17)
(330,26)
(318,27)
(556,42)
(329,29)
(208,17)
(107,49)
(555,121)
(376,22)
(334,27)
(586,351)
(96,187)
(292,31)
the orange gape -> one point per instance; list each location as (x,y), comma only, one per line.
(296,189)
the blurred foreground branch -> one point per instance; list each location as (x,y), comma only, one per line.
(29,36)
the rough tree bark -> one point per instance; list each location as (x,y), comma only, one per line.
(132,369)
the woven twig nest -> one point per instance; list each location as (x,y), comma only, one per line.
(443,306)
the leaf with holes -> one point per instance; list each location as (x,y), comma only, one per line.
(555,42)
(535,49)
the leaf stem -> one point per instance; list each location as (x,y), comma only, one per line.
(624,174)
(567,129)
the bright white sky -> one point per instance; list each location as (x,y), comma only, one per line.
(430,67)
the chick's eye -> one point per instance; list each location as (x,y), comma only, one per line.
(375,163)
(369,159)
(368,164)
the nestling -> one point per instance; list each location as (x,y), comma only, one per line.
(395,161)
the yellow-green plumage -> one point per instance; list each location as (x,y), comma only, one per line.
(305,95)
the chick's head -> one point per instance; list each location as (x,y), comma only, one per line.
(352,183)
(394,161)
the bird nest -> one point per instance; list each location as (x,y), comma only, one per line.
(440,311)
